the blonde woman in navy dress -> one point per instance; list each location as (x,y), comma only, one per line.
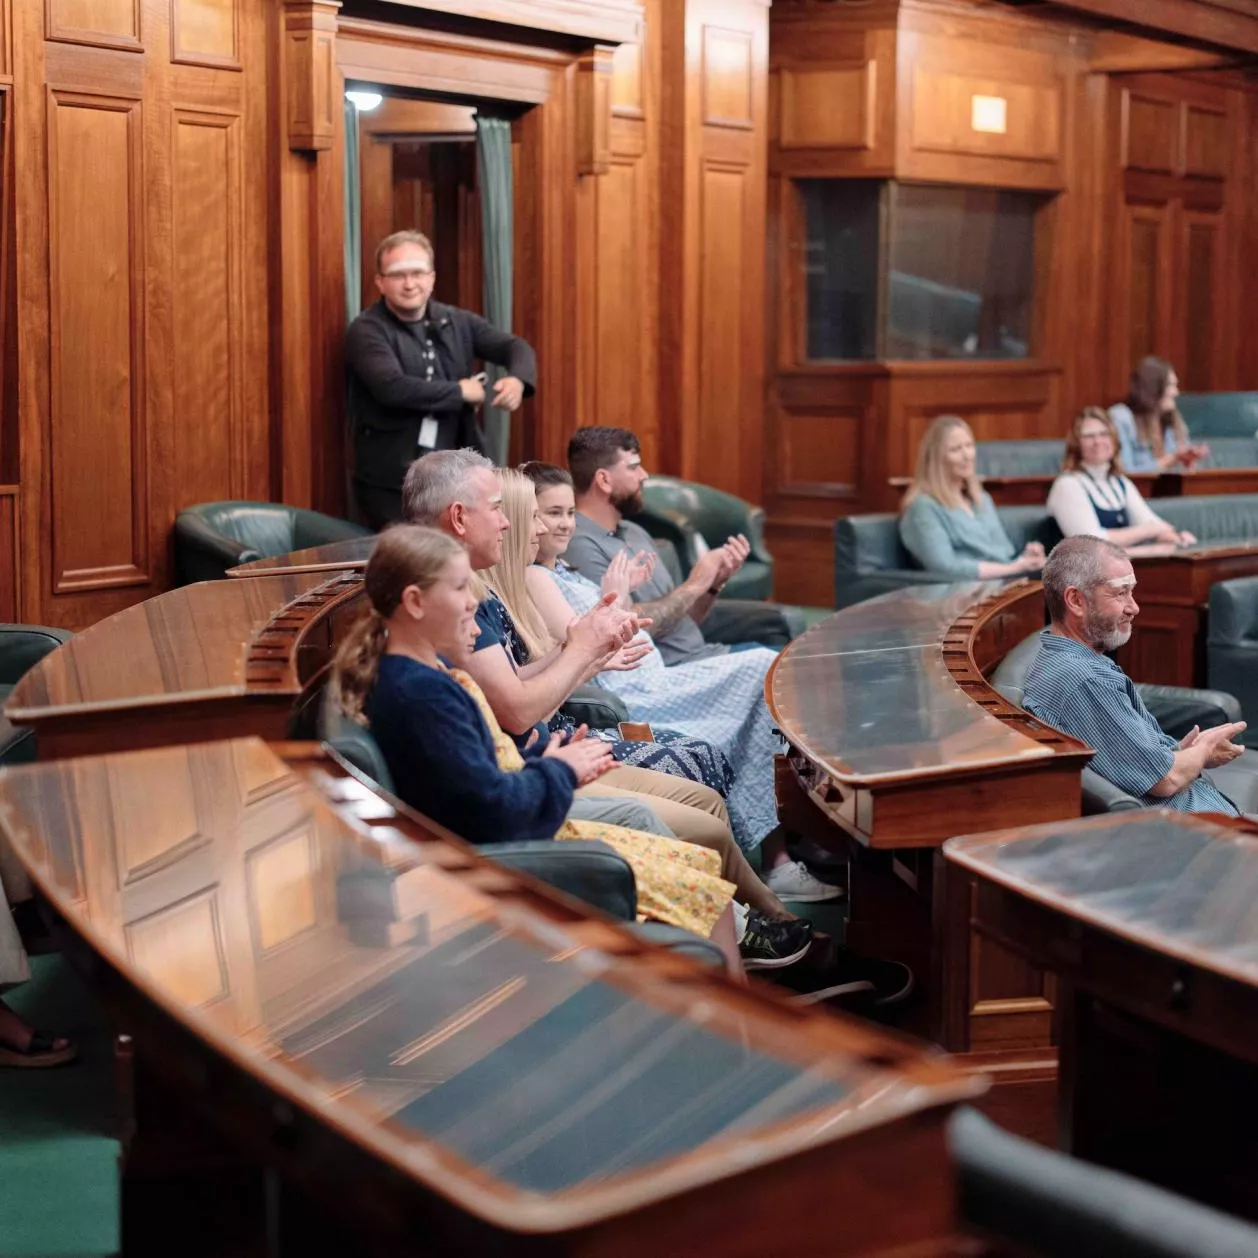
(1093,496)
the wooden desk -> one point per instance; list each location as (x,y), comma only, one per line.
(213,660)
(433,1047)
(1168,640)
(897,741)
(1148,921)
(352,553)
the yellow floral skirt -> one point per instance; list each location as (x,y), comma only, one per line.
(678,883)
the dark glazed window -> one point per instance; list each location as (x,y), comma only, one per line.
(841,218)
(914,271)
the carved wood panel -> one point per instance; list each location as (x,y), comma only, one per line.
(208,366)
(205,33)
(104,23)
(96,298)
(828,106)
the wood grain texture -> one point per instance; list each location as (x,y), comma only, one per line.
(10,555)
(828,106)
(205,33)
(100,492)
(103,23)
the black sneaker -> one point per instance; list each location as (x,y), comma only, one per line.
(770,944)
(858,978)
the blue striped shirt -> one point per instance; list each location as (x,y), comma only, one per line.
(1087,695)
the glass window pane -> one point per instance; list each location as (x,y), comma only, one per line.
(841,267)
(962,264)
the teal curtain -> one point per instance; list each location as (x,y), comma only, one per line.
(353,217)
(493,155)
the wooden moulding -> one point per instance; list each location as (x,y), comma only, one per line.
(311,98)
(593,104)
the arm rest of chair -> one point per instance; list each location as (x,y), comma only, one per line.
(211,553)
(583,868)
(1178,708)
(734,621)
(593,706)
(1060,1207)
(1101,795)
(677,940)
(23,646)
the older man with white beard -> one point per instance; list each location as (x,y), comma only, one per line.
(1089,586)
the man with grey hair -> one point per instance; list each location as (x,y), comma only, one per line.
(1089,587)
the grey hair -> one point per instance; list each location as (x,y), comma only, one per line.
(1079,562)
(437,481)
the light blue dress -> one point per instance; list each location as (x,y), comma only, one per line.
(1137,455)
(952,540)
(719,698)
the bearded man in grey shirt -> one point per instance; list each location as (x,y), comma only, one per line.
(607,476)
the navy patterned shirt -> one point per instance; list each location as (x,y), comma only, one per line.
(1087,695)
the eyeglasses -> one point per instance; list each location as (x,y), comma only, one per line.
(416,274)
(1095,436)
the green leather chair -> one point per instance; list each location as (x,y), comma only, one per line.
(586,870)
(1232,647)
(1211,415)
(678,513)
(214,536)
(21,647)
(1047,1204)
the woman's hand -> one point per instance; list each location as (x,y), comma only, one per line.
(586,757)
(628,657)
(616,580)
(604,628)
(1032,557)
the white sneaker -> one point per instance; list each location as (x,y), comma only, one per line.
(793,881)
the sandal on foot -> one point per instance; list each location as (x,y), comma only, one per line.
(39,1053)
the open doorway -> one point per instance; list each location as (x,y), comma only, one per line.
(417,168)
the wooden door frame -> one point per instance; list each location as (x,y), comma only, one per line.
(540,81)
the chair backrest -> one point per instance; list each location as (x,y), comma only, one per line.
(1210,415)
(264,527)
(23,646)
(1019,458)
(1234,612)
(1231,452)
(1056,1206)
(1212,517)
(353,741)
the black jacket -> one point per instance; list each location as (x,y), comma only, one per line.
(389,395)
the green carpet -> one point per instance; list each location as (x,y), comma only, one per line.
(58,1158)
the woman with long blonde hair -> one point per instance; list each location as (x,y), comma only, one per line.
(948,522)
(398,672)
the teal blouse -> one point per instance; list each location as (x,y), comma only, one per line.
(951,540)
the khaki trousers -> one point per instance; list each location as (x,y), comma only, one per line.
(697,814)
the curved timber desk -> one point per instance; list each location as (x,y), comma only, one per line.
(213,660)
(897,742)
(1148,921)
(352,552)
(449,1057)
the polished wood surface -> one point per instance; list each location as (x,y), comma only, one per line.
(896,739)
(1168,639)
(456,1048)
(214,659)
(352,553)
(1146,920)
(884,705)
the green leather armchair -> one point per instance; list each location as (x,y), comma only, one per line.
(21,647)
(684,511)
(1232,647)
(586,870)
(214,536)
(678,513)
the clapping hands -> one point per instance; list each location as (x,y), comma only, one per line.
(627,572)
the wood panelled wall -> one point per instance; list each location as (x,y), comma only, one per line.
(1147,185)
(139,277)
(172,232)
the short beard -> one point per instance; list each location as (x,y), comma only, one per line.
(1102,637)
(629,504)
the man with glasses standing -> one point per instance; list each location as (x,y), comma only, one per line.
(412,389)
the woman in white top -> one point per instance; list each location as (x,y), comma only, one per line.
(1093,496)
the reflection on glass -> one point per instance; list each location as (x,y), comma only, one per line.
(960,275)
(841,219)
(907,271)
